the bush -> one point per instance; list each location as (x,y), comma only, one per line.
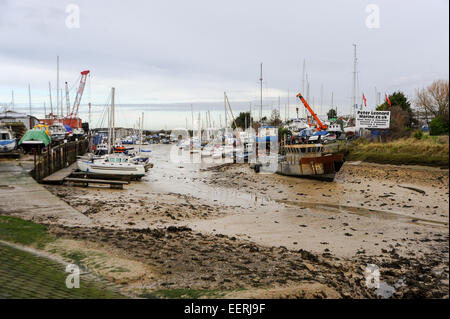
(418,135)
(438,126)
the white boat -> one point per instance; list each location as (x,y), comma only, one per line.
(7,141)
(78,132)
(57,132)
(112,165)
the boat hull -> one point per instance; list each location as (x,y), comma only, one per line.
(321,167)
(111,169)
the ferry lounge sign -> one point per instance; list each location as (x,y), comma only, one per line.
(373,119)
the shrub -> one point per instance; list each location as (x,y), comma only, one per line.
(418,135)
(438,126)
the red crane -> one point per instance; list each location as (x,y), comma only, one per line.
(80,91)
(72,119)
(319,126)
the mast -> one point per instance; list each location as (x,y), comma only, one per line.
(113,133)
(89,112)
(57,85)
(332,97)
(140,134)
(225,108)
(303,75)
(12,100)
(29,98)
(67,99)
(289,106)
(192,114)
(50,94)
(261,81)
(61,101)
(355,61)
(109,130)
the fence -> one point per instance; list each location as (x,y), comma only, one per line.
(57,157)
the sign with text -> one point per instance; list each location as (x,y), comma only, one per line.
(373,119)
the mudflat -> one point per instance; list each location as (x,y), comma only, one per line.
(237,233)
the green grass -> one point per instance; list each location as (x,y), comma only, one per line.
(429,150)
(75,256)
(184,293)
(24,275)
(20,231)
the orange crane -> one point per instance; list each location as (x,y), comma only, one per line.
(319,126)
(72,119)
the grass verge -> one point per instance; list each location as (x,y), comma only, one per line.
(430,150)
(24,232)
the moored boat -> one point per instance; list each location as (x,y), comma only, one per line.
(7,140)
(309,160)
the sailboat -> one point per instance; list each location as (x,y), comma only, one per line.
(112,164)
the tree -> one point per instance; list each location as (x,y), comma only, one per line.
(275,119)
(282,131)
(243,120)
(400,109)
(438,126)
(332,114)
(434,100)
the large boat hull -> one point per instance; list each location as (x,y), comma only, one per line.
(321,167)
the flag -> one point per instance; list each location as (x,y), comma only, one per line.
(365,100)
(387,100)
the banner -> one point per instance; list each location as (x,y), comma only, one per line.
(373,119)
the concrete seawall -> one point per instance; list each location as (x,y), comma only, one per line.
(22,196)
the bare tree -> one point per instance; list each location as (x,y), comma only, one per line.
(434,99)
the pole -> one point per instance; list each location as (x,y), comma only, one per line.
(261,81)
(57,84)
(354,81)
(29,99)
(289,105)
(50,94)
(303,76)
(67,98)
(225,107)
(113,134)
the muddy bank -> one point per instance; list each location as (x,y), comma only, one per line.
(392,216)
(182,258)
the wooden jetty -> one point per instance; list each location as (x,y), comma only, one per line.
(59,176)
(86,181)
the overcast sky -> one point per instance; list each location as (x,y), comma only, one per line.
(169,54)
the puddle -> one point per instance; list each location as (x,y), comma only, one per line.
(366,212)
(385,290)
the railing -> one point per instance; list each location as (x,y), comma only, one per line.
(57,157)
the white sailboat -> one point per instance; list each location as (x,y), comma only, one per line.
(112,164)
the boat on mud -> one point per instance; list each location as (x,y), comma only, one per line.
(310,161)
(112,164)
